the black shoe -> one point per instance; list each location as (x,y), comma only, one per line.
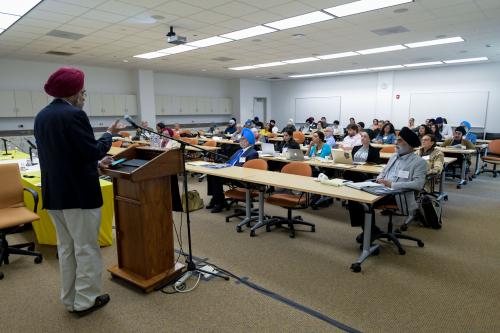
(100,301)
(217,209)
(211,204)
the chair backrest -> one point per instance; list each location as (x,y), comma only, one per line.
(210,143)
(11,194)
(494,147)
(256,164)
(388,149)
(116,144)
(299,137)
(298,168)
(124,134)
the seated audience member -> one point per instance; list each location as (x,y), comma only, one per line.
(288,142)
(266,131)
(364,153)
(177,129)
(255,120)
(231,127)
(430,122)
(458,141)
(162,141)
(436,133)
(361,127)
(387,136)
(237,132)
(213,128)
(423,130)
(143,135)
(352,121)
(329,137)
(319,126)
(249,123)
(444,129)
(290,125)
(433,156)
(324,123)
(306,128)
(352,138)
(272,126)
(215,184)
(404,171)
(411,125)
(337,130)
(318,147)
(469,135)
(258,137)
(259,125)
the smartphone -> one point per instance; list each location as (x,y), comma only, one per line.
(117,162)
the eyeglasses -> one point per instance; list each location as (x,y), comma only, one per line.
(84,93)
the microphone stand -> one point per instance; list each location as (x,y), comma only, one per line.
(5,147)
(191,266)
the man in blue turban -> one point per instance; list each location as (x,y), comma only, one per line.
(215,184)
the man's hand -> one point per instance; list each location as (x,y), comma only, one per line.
(106,162)
(116,127)
(385,182)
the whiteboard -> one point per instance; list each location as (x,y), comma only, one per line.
(454,106)
(317,107)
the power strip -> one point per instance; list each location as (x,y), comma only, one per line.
(209,269)
(182,280)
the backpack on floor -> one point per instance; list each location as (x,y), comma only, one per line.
(195,201)
(430,212)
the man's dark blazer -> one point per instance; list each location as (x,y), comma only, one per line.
(69,153)
(249,154)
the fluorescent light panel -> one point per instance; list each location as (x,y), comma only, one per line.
(382,49)
(18,7)
(270,64)
(456,61)
(249,32)
(363,6)
(300,60)
(150,55)
(210,41)
(354,70)
(315,74)
(177,49)
(435,42)
(419,64)
(385,68)
(242,68)
(300,20)
(337,55)
(6,20)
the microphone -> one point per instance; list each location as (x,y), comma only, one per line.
(32,145)
(130,121)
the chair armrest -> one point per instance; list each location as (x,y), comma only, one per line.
(35,197)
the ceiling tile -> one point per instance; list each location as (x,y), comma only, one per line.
(62,8)
(121,8)
(103,16)
(179,8)
(235,9)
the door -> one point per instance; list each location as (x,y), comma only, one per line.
(259,108)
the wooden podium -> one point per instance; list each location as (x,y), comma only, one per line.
(143,216)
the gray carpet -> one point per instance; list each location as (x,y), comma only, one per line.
(450,285)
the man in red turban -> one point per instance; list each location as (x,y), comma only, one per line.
(69,156)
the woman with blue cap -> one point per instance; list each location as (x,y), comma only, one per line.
(215,184)
(469,135)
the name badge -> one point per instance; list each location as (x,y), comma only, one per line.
(243,160)
(403,174)
(427,157)
(285,150)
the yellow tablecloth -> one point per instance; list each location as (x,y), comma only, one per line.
(44,229)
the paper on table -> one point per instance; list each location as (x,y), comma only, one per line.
(361,185)
(198,163)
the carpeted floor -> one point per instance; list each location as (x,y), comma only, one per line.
(450,285)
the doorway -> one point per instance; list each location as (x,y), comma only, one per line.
(260,108)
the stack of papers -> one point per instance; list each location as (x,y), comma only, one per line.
(360,186)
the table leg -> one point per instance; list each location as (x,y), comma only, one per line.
(368,249)
(476,168)
(248,211)
(463,181)
(261,222)
(442,194)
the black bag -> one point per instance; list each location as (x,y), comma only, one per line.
(430,211)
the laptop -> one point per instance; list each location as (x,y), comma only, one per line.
(340,156)
(267,149)
(294,155)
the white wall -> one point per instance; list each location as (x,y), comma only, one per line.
(249,89)
(364,98)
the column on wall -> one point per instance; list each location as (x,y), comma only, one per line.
(146,96)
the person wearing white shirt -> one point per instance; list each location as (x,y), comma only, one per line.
(352,139)
(445,129)
(337,130)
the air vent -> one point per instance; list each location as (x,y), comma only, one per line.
(65,34)
(59,53)
(223,59)
(390,30)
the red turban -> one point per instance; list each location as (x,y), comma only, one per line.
(65,82)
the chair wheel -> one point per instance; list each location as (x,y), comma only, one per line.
(252,233)
(404,227)
(420,244)
(31,248)
(356,268)
(1,276)
(38,260)
(402,252)
(238,229)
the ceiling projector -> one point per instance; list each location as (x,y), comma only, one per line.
(173,38)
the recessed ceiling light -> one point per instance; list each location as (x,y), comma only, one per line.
(17,7)
(298,36)
(270,64)
(362,6)
(489,45)
(203,70)
(300,60)
(150,55)
(249,32)
(386,67)
(338,55)
(456,61)
(125,60)
(300,20)
(242,68)
(209,41)
(382,49)
(176,49)
(354,70)
(419,64)
(436,42)
(6,20)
